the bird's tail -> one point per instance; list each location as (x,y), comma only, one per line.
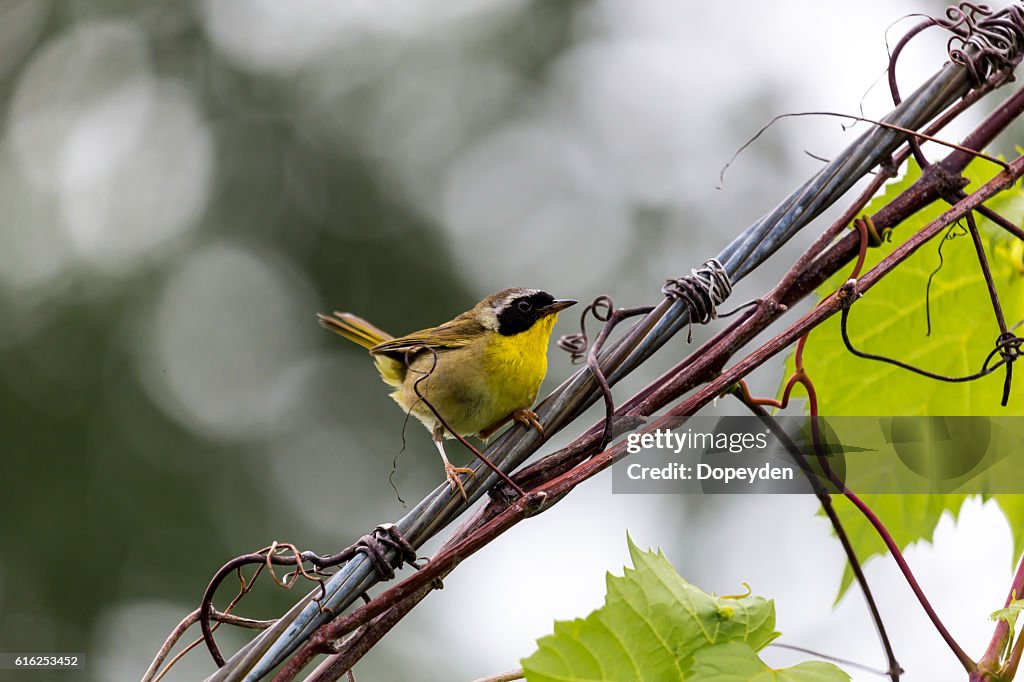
(354,328)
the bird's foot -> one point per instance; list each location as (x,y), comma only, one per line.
(529,418)
(452,474)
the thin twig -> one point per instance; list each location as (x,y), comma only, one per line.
(825,499)
(883,532)
(504,677)
(827,657)
(881,124)
(187,622)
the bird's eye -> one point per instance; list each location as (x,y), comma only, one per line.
(524,306)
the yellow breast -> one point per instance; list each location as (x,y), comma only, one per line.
(516,365)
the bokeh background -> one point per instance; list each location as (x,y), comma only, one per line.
(183,185)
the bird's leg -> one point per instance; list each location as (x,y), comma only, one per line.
(490,430)
(527,417)
(450,472)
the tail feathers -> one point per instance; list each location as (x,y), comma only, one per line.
(354,328)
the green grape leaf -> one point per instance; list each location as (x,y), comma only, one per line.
(1010,613)
(737,662)
(651,626)
(892,320)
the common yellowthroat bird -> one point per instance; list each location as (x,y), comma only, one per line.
(479,370)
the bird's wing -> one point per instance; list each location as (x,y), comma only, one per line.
(454,334)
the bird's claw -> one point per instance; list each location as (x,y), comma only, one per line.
(452,474)
(529,418)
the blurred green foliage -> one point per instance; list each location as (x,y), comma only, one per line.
(107,499)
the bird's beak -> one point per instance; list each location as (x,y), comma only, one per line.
(557,305)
